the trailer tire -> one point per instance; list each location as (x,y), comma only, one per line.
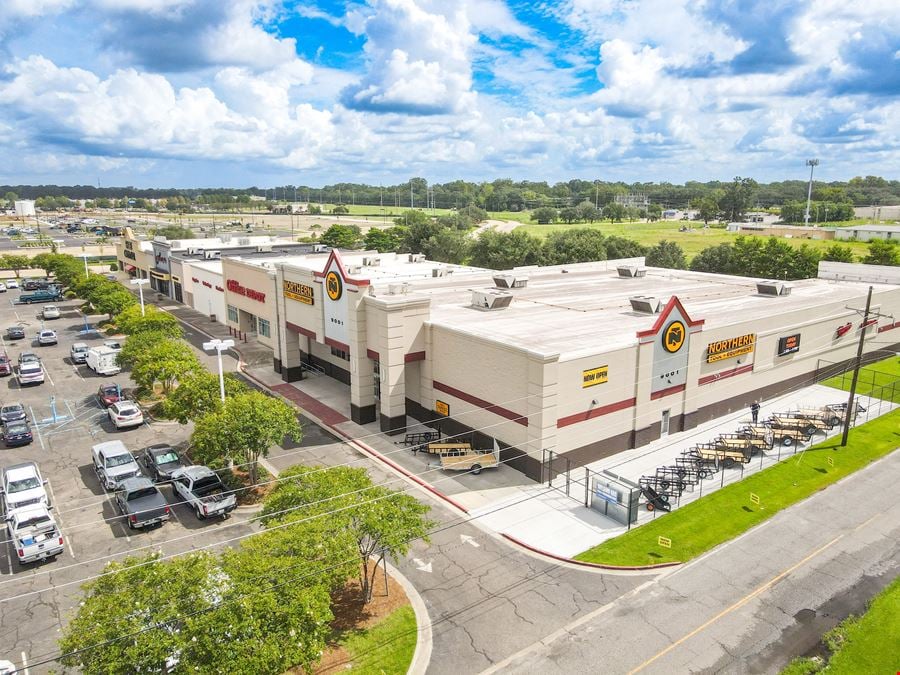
(787,441)
(704,474)
(476,469)
(664,499)
(728,462)
(664,484)
(835,421)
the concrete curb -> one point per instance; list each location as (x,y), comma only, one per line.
(589,565)
(424,639)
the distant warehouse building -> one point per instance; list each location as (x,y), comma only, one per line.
(585,360)
(24,208)
(867,232)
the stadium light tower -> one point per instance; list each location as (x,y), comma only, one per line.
(812,164)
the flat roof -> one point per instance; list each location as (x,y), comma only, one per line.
(872,227)
(382,269)
(578,310)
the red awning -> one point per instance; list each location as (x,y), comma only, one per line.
(129,268)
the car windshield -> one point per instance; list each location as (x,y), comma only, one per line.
(15,407)
(110,390)
(37,521)
(28,357)
(16,428)
(118,460)
(167,457)
(4,359)
(47,333)
(79,348)
(127,410)
(25,484)
(140,494)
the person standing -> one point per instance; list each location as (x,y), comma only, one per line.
(754,411)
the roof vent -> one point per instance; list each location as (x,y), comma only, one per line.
(773,288)
(224,238)
(630,271)
(264,248)
(371,262)
(510,281)
(191,251)
(491,300)
(398,289)
(438,272)
(645,304)
(212,255)
(354,269)
(416,257)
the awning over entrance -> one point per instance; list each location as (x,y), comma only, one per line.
(159,276)
(130,268)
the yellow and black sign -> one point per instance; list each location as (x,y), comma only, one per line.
(665,542)
(730,348)
(299,292)
(334,286)
(594,376)
(442,408)
(674,336)
(754,498)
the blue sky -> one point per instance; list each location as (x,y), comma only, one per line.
(183,93)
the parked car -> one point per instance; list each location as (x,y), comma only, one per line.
(78,352)
(28,357)
(115,345)
(23,486)
(141,502)
(50,312)
(161,461)
(109,393)
(124,414)
(15,333)
(34,534)
(113,464)
(102,360)
(31,372)
(35,284)
(2,287)
(16,434)
(12,412)
(203,491)
(12,283)
(41,295)
(5,365)
(47,338)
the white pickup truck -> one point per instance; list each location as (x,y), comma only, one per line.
(23,486)
(34,534)
(203,491)
(114,464)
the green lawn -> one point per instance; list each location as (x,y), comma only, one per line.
(385,648)
(875,379)
(866,644)
(724,514)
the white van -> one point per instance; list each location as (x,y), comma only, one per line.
(102,360)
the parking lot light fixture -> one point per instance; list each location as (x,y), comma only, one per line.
(219,346)
(86,272)
(140,284)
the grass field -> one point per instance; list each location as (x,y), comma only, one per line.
(387,647)
(866,644)
(724,514)
(876,379)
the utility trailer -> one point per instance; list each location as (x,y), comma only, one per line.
(740,442)
(784,437)
(467,459)
(690,462)
(418,440)
(803,427)
(712,454)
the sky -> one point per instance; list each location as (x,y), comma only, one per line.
(237,93)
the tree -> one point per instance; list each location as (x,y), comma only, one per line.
(137,346)
(838,253)
(587,212)
(244,430)
(380,521)
(130,321)
(576,245)
(412,217)
(419,233)
(174,232)
(614,212)
(11,198)
(667,254)
(383,241)
(165,362)
(738,197)
(449,246)
(473,213)
(569,214)
(340,209)
(716,259)
(114,301)
(505,250)
(15,262)
(341,236)
(620,247)
(882,252)
(198,394)
(654,212)
(545,214)
(708,209)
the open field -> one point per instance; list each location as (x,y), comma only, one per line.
(726,513)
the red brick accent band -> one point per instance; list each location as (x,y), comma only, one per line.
(889,326)
(372,354)
(595,412)
(715,377)
(667,392)
(481,403)
(300,329)
(414,356)
(337,345)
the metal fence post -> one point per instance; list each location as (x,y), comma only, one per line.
(568,475)
(550,469)
(587,491)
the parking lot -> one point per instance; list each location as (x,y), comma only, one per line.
(38,598)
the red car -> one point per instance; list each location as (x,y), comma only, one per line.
(5,365)
(109,394)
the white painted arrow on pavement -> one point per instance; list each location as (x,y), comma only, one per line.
(422,566)
(466,539)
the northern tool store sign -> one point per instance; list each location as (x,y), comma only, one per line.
(730,348)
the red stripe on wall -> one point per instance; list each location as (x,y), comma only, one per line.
(337,345)
(595,412)
(414,356)
(300,329)
(481,403)
(889,326)
(372,354)
(715,377)
(667,392)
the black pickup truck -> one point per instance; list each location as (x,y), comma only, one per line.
(141,502)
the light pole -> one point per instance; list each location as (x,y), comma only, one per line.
(812,164)
(86,272)
(140,283)
(219,346)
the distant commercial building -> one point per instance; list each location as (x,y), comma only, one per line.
(24,208)
(867,232)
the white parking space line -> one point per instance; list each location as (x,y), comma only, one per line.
(59,521)
(77,372)
(25,663)
(6,547)
(47,373)
(112,502)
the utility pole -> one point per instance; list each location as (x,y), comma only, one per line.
(812,164)
(851,403)
(410,194)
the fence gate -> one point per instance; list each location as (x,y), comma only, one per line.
(556,472)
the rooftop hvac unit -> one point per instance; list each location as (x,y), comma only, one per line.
(398,289)
(212,255)
(439,272)
(225,238)
(243,241)
(645,304)
(371,262)
(321,248)
(491,300)
(354,269)
(631,271)
(510,281)
(773,288)
(416,257)
(264,248)
(191,251)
